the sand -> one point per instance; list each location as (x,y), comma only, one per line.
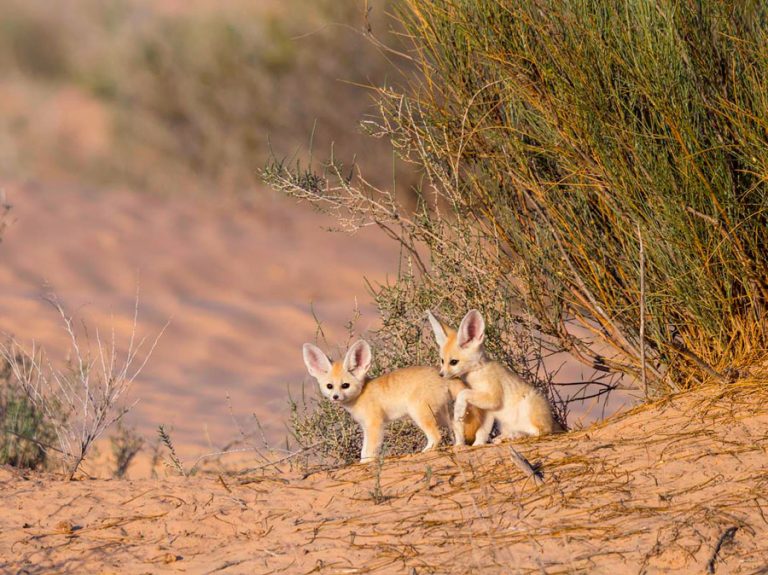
(238,280)
(653,491)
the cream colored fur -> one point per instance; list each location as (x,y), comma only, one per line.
(416,392)
(519,408)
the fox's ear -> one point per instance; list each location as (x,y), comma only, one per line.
(358,359)
(316,361)
(472,329)
(437,328)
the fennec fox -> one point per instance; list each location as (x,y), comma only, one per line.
(418,392)
(504,396)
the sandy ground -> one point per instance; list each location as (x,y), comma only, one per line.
(652,491)
(237,281)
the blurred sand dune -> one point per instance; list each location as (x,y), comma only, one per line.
(236,281)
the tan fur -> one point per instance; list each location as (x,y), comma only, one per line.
(473,418)
(501,394)
(417,392)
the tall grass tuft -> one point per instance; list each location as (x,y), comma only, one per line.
(557,137)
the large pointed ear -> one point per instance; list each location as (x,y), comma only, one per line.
(472,329)
(438,328)
(316,361)
(358,359)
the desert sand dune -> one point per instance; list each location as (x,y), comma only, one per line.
(654,491)
(237,281)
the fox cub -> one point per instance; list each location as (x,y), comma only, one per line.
(418,392)
(503,396)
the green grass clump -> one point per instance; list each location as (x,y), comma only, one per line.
(24,431)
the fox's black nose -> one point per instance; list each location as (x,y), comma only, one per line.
(335,396)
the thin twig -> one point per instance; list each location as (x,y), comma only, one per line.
(525,466)
(642,314)
(725,538)
(281,460)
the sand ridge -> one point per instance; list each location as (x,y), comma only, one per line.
(652,491)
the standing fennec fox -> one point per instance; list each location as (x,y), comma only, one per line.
(418,392)
(504,396)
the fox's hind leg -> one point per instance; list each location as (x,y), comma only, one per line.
(426,419)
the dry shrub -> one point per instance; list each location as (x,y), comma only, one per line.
(126,444)
(554,138)
(86,396)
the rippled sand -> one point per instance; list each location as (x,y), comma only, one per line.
(238,283)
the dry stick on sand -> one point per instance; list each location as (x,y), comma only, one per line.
(726,537)
(524,465)
(281,460)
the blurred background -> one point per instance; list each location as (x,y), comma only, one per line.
(131,135)
(170,95)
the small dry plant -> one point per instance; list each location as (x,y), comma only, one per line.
(85,397)
(175,462)
(126,445)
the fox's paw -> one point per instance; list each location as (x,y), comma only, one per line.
(508,437)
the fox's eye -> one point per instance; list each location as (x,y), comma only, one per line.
(345,385)
(329,386)
(442,361)
(454,361)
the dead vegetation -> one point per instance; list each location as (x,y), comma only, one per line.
(77,400)
(674,486)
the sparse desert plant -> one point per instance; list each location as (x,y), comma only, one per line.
(377,493)
(175,462)
(555,139)
(25,435)
(126,445)
(84,398)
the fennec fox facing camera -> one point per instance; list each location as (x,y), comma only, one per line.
(504,396)
(418,392)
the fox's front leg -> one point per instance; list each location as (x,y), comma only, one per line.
(483,400)
(373,435)
(459,412)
